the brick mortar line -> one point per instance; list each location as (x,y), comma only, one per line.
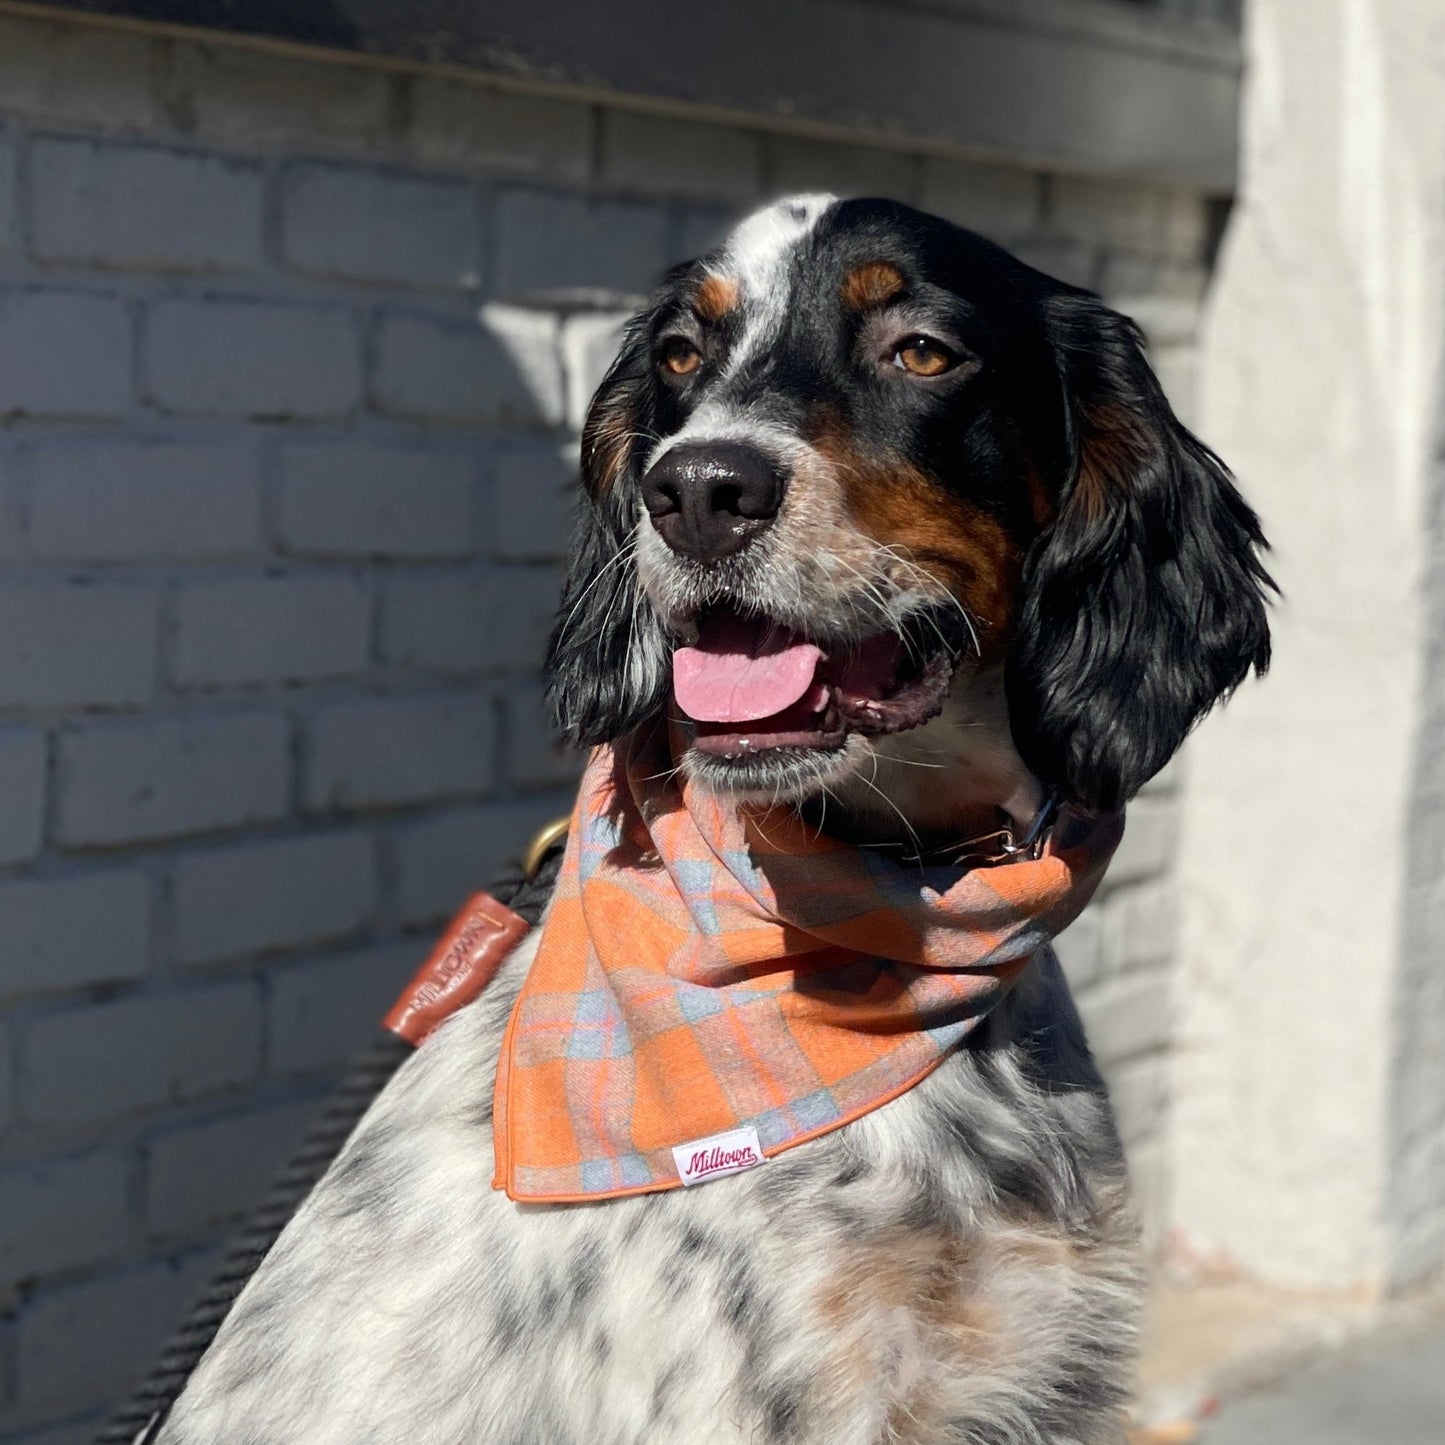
(56,863)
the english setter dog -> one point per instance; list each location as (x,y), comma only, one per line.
(901,534)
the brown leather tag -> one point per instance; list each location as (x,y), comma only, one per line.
(462,964)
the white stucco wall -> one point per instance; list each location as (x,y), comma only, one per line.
(1309,1136)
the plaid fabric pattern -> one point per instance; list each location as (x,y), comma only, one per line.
(706,967)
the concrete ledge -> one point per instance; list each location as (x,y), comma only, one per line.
(1070,84)
(1208,1343)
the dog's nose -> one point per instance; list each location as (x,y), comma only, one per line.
(709,500)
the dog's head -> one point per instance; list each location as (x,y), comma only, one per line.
(859,472)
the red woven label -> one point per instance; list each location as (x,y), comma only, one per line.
(462,964)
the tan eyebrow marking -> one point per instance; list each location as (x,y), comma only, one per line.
(716,296)
(873,284)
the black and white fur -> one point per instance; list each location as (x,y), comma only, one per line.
(960,1265)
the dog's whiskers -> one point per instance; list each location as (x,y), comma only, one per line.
(617,595)
(622,555)
(919,575)
(872,784)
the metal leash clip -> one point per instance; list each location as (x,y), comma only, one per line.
(542,844)
(1001,846)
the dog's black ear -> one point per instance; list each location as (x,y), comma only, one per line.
(1144,600)
(608,659)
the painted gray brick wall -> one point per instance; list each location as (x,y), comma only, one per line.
(292,359)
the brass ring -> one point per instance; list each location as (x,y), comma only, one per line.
(538,847)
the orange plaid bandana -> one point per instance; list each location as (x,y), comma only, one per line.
(706,970)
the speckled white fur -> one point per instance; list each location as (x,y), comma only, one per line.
(957,1266)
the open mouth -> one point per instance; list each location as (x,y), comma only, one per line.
(750,684)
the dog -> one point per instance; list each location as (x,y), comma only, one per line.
(864,431)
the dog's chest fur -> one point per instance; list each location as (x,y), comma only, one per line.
(957,1266)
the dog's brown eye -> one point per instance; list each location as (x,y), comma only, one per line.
(923,356)
(679,356)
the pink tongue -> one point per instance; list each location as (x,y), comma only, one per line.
(742,669)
